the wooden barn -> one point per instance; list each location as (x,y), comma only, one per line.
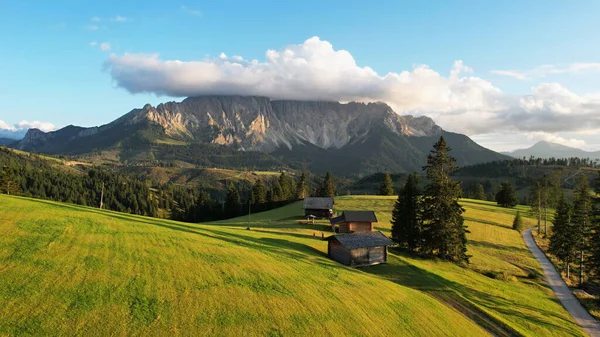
(359,250)
(318,207)
(354,222)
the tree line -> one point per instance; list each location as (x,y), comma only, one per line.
(575,237)
(519,166)
(30,175)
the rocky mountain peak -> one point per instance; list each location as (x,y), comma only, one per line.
(259,123)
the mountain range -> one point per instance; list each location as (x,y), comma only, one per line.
(260,133)
(7,141)
(544,149)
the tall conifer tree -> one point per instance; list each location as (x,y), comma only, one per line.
(506,196)
(327,186)
(595,237)
(387,186)
(444,232)
(479,192)
(302,187)
(562,240)
(232,202)
(581,219)
(259,193)
(406,217)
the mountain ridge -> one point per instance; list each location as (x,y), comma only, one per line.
(317,134)
(545,149)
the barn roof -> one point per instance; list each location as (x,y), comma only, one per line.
(362,240)
(355,216)
(318,203)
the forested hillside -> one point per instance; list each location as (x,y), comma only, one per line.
(143,191)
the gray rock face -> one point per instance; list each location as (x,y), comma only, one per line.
(257,123)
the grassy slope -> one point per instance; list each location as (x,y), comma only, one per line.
(72,270)
(523,303)
(527,305)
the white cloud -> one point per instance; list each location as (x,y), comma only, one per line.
(18,130)
(105,46)
(6,126)
(93,44)
(95,19)
(510,73)
(190,11)
(92,27)
(44,126)
(549,69)
(314,70)
(119,18)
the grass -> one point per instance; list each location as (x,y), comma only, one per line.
(71,270)
(67,269)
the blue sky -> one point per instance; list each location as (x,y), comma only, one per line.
(54,69)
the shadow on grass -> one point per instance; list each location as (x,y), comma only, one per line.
(496,246)
(473,303)
(486,222)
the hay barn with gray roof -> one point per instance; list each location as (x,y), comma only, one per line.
(359,250)
(318,207)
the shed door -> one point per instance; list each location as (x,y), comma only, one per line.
(376,254)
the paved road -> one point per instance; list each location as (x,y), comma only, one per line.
(564,294)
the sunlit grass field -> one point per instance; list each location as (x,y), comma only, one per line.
(71,270)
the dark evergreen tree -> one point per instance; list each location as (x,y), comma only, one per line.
(8,184)
(387,186)
(581,219)
(278,192)
(444,232)
(232,206)
(506,196)
(302,187)
(518,222)
(562,241)
(259,193)
(406,217)
(594,259)
(271,197)
(536,203)
(549,193)
(286,187)
(479,192)
(327,188)
(203,207)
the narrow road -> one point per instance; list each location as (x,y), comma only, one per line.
(563,293)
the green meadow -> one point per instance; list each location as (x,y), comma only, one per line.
(73,270)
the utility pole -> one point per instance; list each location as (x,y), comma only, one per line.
(249,205)
(102,195)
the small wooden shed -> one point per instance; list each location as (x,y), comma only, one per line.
(318,207)
(359,250)
(354,222)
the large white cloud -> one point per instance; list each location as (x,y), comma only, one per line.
(314,70)
(18,130)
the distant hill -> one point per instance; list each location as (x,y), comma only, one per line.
(352,139)
(545,149)
(7,141)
